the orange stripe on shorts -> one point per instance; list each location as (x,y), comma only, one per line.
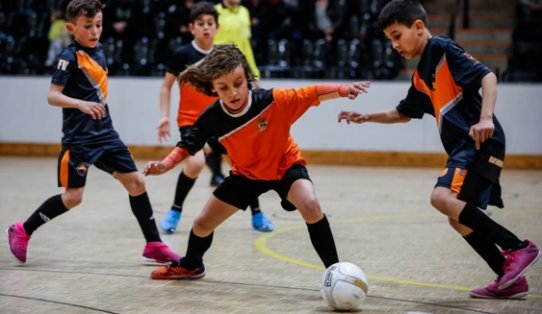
(64,169)
(458,179)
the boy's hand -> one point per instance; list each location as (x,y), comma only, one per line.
(353,90)
(163,129)
(481,131)
(154,168)
(352,116)
(95,110)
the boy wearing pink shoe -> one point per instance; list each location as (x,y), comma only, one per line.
(79,87)
(446,85)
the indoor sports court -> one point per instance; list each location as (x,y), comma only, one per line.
(88,261)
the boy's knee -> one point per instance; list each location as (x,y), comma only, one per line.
(439,199)
(72,198)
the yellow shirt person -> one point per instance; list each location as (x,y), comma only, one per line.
(234,27)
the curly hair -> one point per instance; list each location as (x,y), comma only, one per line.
(223,59)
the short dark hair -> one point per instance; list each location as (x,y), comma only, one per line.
(202,8)
(223,59)
(403,12)
(88,8)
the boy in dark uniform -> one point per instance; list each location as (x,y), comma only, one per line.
(446,85)
(79,87)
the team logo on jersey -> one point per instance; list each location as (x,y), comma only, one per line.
(82,169)
(262,124)
(62,65)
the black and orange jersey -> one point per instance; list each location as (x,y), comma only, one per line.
(191,102)
(83,73)
(257,140)
(446,85)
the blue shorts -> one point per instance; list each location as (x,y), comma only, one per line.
(74,161)
(473,177)
(239,191)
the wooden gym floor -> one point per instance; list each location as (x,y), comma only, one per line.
(87,261)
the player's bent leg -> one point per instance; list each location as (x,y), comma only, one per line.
(303,196)
(133,182)
(212,215)
(72,197)
(194,165)
(445,201)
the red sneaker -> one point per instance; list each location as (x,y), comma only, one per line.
(517,290)
(176,271)
(517,262)
(160,253)
(18,241)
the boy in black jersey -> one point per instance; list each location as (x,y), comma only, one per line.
(79,87)
(446,85)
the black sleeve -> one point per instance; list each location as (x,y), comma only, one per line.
(415,104)
(467,71)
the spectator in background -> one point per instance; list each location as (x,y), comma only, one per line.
(234,27)
(261,18)
(177,20)
(124,25)
(58,37)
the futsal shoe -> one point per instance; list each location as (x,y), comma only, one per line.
(18,241)
(170,221)
(517,262)
(159,253)
(517,290)
(175,271)
(261,223)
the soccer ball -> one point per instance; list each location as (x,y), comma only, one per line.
(344,286)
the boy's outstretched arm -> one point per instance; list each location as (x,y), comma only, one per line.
(484,129)
(387,117)
(173,158)
(327,91)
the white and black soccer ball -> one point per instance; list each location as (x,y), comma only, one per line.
(344,286)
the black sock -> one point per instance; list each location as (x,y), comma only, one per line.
(322,241)
(142,209)
(475,219)
(254,206)
(214,162)
(184,185)
(488,251)
(47,211)
(194,252)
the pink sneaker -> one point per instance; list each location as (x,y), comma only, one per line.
(517,290)
(517,262)
(160,253)
(18,241)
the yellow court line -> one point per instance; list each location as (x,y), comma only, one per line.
(261,244)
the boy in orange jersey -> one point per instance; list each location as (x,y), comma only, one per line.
(254,127)
(446,85)
(203,25)
(79,87)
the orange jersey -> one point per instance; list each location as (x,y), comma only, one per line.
(258,140)
(191,104)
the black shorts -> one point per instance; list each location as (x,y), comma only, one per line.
(239,191)
(74,161)
(216,147)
